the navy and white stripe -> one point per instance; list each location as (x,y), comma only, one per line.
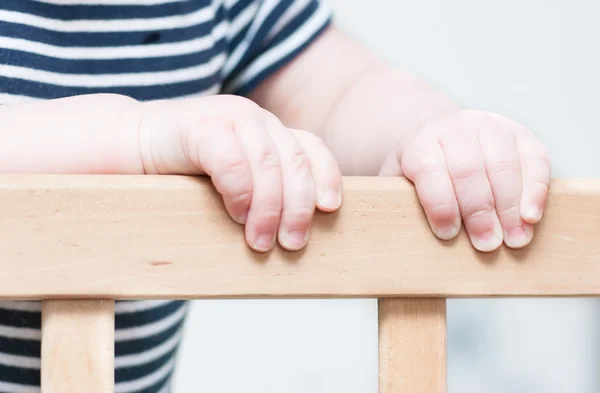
(147,337)
(148,50)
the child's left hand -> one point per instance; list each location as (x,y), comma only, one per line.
(479,167)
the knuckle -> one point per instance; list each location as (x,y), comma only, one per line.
(544,154)
(543,187)
(241,110)
(240,197)
(311,137)
(513,208)
(466,171)
(415,167)
(308,138)
(298,214)
(533,148)
(477,211)
(509,167)
(468,116)
(232,170)
(441,212)
(235,165)
(268,161)
(298,161)
(268,217)
(480,116)
(239,102)
(269,117)
(235,188)
(232,178)
(539,151)
(470,112)
(539,165)
(465,121)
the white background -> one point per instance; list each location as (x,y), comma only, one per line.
(536,61)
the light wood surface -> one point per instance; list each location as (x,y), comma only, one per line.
(78,346)
(412,345)
(169,237)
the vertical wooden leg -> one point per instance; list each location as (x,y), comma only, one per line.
(412,345)
(78,346)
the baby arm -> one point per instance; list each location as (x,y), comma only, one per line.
(271,177)
(85,134)
(467,166)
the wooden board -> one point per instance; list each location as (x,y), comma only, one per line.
(78,341)
(169,237)
(412,345)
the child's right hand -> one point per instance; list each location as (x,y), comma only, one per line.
(271,177)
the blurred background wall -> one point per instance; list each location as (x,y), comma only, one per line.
(537,61)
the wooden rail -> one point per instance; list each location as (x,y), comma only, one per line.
(80,242)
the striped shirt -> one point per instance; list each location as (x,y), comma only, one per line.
(148,50)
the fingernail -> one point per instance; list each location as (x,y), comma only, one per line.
(264,242)
(331,199)
(295,240)
(489,241)
(518,237)
(446,232)
(533,213)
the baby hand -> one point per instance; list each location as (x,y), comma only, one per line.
(271,177)
(479,167)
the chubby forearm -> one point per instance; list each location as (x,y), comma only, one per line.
(83,134)
(359,104)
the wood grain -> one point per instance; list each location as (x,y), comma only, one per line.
(412,345)
(78,346)
(137,237)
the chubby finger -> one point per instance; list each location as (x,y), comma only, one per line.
(299,195)
(264,215)
(325,170)
(223,158)
(425,165)
(504,174)
(536,174)
(467,170)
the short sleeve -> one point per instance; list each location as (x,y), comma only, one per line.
(264,35)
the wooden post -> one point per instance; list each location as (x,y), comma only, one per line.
(78,346)
(412,345)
